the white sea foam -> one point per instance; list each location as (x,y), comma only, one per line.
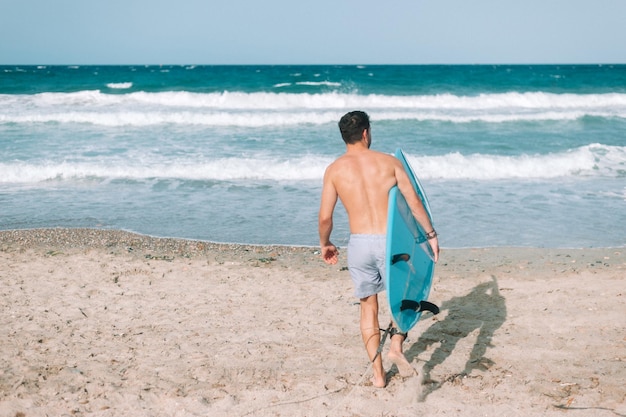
(261,119)
(120,86)
(319,83)
(247,119)
(263,109)
(222,169)
(587,161)
(592,160)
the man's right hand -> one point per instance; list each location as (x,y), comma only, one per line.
(434,244)
(329,254)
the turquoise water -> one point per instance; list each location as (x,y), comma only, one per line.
(508,155)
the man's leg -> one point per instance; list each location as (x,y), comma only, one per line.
(396,355)
(370,331)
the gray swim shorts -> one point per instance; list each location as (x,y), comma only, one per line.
(366,262)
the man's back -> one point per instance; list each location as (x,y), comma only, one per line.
(362,180)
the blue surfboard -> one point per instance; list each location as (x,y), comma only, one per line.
(410,263)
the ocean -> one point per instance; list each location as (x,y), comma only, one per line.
(523,155)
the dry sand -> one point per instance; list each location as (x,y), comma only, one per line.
(108,323)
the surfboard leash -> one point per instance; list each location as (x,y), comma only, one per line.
(386,333)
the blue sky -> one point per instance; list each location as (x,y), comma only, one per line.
(317,32)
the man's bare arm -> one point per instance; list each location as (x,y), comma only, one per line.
(417,207)
(325,220)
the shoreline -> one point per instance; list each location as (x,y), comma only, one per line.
(70,237)
(76,238)
(119,242)
(108,323)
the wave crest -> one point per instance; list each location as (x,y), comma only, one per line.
(594,160)
(262,109)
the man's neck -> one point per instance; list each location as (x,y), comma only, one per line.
(356,147)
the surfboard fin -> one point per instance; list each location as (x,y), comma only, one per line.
(419,306)
(400,257)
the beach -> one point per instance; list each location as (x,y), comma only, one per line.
(110,323)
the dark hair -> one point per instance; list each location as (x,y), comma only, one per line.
(352,126)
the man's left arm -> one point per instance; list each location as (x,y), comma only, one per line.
(417,208)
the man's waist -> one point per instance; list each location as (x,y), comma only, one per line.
(367,236)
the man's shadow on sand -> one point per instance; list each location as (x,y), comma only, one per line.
(484,309)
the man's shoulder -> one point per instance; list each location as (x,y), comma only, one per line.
(384,155)
(340,161)
(347,160)
(334,166)
(384,158)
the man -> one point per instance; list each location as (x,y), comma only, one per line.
(362,178)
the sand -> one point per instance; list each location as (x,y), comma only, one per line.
(109,323)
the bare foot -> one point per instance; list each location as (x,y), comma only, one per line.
(379,382)
(404,367)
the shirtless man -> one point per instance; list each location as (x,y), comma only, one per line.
(362,178)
